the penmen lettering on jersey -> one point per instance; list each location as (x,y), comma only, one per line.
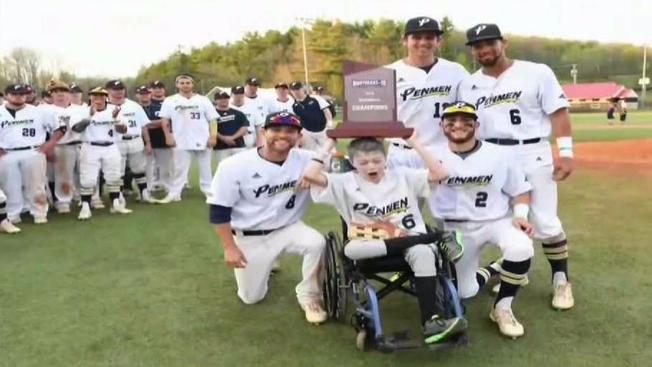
(27,128)
(66,116)
(101,128)
(189,117)
(394,199)
(479,185)
(422,97)
(517,104)
(133,115)
(262,194)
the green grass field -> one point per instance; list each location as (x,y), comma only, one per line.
(594,127)
(150,289)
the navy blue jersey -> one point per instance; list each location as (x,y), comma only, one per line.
(156,136)
(228,123)
(311,114)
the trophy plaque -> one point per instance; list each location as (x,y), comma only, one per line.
(369,104)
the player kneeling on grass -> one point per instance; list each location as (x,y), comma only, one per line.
(372,198)
(483,178)
(255,207)
(99,151)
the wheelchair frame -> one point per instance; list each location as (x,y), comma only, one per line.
(345,283)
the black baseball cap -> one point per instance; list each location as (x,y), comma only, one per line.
(296,85)
(143,89)
(319,88)
(157,84)
(28,88)
(252,81)
(16,88)
(46,94)
(422,24)
(238,89)
(74,88)
(282,119)
(281,85)
(115,84)
(221,95)
(482,32)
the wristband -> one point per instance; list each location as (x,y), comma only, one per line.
(318,160)
(565,146)
(521,210)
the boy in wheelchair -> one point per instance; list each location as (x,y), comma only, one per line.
(380,208)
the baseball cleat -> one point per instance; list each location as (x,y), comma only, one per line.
(8,227)
(496,287)
(562,298)
(40,220)
(147,198)
(507,323)
(97,204)
(15,220)
(437,330)
(315,314)
(119,207)
(85,212)
(169,198)
(452,246)
(63,208)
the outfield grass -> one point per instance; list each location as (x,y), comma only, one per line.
(150,289)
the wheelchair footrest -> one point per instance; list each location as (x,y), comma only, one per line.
(398,341)
(461,340)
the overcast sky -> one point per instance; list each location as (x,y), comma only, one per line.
(117,37)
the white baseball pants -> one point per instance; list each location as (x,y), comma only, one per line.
(261,251)
(159,168)
(513,243)
(66,180)
(92,158)
(222,154)
(182,159)
(133,153)
(24,170)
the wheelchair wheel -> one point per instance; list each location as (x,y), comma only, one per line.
(335,284)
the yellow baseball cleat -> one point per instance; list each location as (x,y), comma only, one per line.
(562,298)
(507,323)
(315,314)
(8,227)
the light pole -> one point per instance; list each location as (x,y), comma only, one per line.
(304,21)
(644,81)
(573,73)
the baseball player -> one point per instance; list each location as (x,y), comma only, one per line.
(251,112)
(100,133)
(130,144)
(257,103)
(372,197)
(519,103)
(483,179)
(185,119)
(283,102)
(159,155)
(22,154)
(256,207)
(319,91)
(314,114)
(5,224)
(66,179)
(425,85)
(232,126)
(77,96)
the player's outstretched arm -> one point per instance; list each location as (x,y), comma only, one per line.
(314,173)
(81,125)
(521,209)
(147,139)
(436,171)
(561,130)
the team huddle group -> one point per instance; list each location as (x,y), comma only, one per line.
(480,157)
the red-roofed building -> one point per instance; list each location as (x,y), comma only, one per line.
(598,96)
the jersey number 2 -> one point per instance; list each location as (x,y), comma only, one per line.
(481,199)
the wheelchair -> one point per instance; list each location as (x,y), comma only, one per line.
(352,291)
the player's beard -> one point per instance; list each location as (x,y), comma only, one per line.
(459,137)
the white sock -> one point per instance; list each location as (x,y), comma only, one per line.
(559,278)
(505,303)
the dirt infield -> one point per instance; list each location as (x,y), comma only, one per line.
(625,156)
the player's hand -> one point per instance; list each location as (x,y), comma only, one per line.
(116,111)
(121,128)
(563,168)
(523,225)
(169,140)
(413,139)
(229,141)
(148,148)
(302,184)
(212,142)
(234,258)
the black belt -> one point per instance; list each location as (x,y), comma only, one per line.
(401,146)
(73,142)
(101,143)
(130,137)
(456,220)
(260,232)
(23,148)
(513,141)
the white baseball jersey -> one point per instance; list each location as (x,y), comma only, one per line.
(67,116)
(27,128)
(261,104)
(132,115)
(280,106)
(255,120)
(262,194)
(517,104)
(479,186)
(422,97)
(393,199)
(101,128)
(190,117)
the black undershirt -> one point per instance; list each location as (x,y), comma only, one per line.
(428,67)
(280,163)
(475,148)
(12,112)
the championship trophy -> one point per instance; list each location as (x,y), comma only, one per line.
(369,104)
